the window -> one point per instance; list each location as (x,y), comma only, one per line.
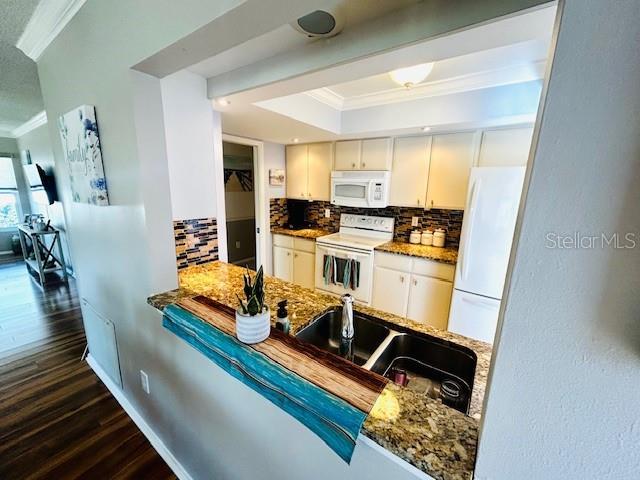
(9,203)
(8,209)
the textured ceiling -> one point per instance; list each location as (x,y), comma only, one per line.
(20,96)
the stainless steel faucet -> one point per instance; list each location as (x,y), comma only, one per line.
(347,316)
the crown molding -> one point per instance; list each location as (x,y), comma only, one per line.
(328,97)
(31,124)
(48,20)
(464,83)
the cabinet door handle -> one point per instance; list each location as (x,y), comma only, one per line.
(288,254)
(302,194)
(353,165)
(364,164)
(401,278)
(415,282)
(418,201)
(295,255)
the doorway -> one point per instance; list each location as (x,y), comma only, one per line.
(240,204)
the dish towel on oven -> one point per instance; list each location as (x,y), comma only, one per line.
(341,271)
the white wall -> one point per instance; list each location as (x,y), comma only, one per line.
(274,158)
(565,388)
(190,136)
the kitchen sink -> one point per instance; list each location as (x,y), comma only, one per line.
(428,365)
(439,369)
(325,333)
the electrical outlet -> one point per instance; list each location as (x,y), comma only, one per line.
(327,213)
(238,244)
(414,221)
(144,381)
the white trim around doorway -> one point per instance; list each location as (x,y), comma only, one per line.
(260,195)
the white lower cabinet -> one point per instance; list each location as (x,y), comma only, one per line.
(294,260)
(390,290)
(304,269)
(429,300)
(283,263)
(414,288)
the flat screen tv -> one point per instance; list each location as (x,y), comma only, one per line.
(49,184)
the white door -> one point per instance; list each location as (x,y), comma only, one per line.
(474,316)
(390,290)
(297,171)
(487,229)
(429,301)
(507,147)
(410,171)
(303,268)
(376,154)
(320,157)
(347,155)
(283,263)
(451,162)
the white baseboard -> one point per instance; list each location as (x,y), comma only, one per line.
(140,422)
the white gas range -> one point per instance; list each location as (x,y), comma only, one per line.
(352,248)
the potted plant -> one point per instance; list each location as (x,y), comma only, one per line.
(253,319)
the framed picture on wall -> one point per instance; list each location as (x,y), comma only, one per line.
(81,147)
(276,177)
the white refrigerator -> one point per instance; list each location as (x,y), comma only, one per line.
(493,198)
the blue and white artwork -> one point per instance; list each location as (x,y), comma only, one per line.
(81,146)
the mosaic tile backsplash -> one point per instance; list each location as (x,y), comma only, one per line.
(196,241)
(450,220)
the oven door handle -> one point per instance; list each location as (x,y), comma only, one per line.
(342,253)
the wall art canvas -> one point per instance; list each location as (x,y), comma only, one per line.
(276,177)
(81,146)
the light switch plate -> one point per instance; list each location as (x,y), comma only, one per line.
(414,221)
(327,213)
(144,381)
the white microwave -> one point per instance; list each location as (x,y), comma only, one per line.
(367,189)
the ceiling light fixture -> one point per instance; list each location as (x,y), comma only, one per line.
(295,140)
(426,129)
(223,102)
(410,76)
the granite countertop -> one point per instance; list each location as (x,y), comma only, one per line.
(436,439)
(439,254)
(309,233)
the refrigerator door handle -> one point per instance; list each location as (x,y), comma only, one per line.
(480,303)
(471,212)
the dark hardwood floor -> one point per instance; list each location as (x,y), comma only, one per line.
(57,420)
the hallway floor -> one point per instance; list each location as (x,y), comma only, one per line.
(57,419)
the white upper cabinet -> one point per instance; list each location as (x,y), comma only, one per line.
(505,147)
(348,155)
(367,154)
(376,154)
(410,171)
(309,171)
(297,171)
(451,161)
(319,177)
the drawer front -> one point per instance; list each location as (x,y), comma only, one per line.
(393,261)
(304,245)
(434,269)
(282,240)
